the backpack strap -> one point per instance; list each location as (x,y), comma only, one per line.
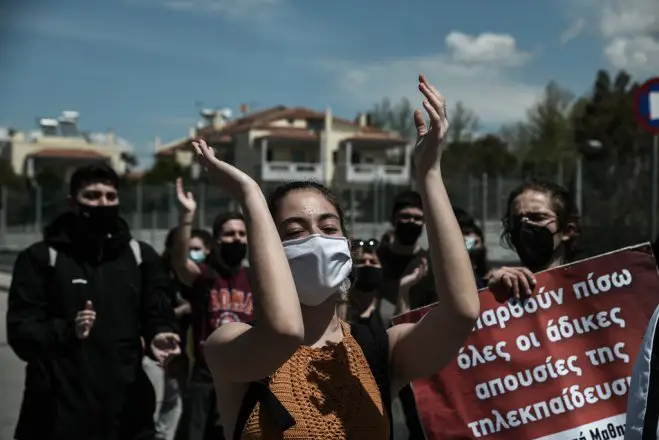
(374,342)
(137,250)
(52,256)
(260,392)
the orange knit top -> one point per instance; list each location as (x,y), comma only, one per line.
(330,392)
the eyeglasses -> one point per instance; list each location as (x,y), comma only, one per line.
(371,243)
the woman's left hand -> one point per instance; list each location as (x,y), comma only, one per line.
(431,139)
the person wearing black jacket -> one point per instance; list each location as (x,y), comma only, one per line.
(83,304)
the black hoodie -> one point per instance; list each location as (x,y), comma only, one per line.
(85,389)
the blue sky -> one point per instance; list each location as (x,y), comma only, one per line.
(141,67)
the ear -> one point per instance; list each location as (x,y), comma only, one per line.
(570,232)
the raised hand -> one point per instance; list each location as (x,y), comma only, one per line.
(85,321)
(186,200)
(228,177)
(430,139)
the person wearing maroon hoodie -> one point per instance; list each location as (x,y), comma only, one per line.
(219,293)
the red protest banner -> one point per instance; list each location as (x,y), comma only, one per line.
(556,367)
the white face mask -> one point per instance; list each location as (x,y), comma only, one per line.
(320,265)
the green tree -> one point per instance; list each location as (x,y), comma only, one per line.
(165,170)
(617,184)
(397,118)
(544,140)
(50,179)
(488,154)
(8,177)
(464,123)
(130,159)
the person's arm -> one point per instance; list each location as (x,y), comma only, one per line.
(406,283)
(183,307)
(422,349)
(31,332)
(640,408)
(186,270)
(238,352)
(157,314)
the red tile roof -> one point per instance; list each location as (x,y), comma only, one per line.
(135,175)
(69,153)
(262,119)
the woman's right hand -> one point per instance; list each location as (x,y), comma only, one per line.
(511,282)
(229,178)
(186,200)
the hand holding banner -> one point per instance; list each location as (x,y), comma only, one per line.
(555,367)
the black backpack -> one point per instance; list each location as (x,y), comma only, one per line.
(374,342)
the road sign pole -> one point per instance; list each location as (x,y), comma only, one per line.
(655,186)
(646,106)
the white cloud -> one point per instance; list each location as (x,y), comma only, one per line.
(637,54)
(476,70)
(630,29)
(573,30)
(485,48)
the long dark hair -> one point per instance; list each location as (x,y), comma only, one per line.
(562,203)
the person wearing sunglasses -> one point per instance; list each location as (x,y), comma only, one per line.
(366,279)
(81,305)
(407,282)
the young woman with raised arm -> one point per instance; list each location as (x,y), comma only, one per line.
(300,371)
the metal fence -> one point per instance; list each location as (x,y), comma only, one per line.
(616,204)
(155,207)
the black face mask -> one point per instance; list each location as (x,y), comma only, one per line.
(534,245)
(100,219)
(369,278)
(233,252)
(407,233)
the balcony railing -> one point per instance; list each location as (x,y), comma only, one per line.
(284,171)
(366,173)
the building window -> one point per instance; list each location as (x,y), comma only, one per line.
(298,156)
(355,157)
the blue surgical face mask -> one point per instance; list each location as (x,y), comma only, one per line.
(198,255)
